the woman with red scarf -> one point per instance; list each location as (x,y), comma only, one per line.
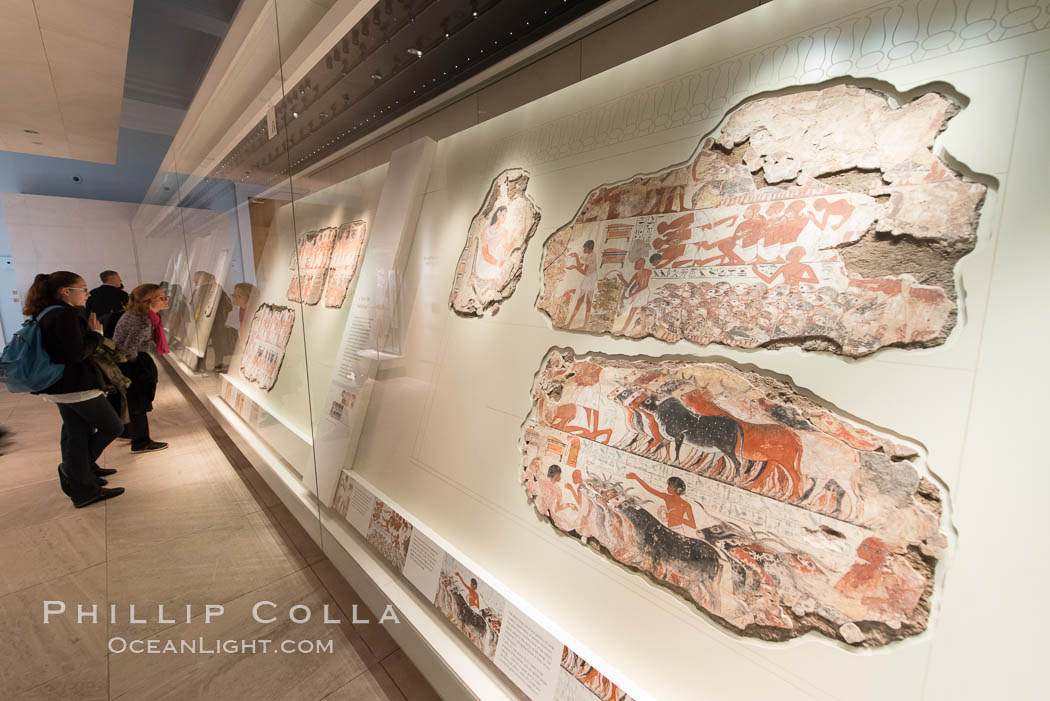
(135,334)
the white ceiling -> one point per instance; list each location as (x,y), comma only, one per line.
(62,74)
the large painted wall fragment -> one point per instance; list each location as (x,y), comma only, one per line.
(771,513)
(347,250)
(310,260)
(266,343)
(490,266)
(819,218)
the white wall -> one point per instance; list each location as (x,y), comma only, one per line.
(67,233)
(89,236)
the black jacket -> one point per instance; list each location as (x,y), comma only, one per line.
(68,341)
(106,299)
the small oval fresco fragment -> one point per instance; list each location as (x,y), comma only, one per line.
(490,266)
(772,514)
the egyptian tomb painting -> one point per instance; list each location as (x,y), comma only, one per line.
(341,499)
(471,605)
(490,266)
(310,261)
(578,680)
(348,248)
(389,532)
(265,346)
(772,514)
(819,218)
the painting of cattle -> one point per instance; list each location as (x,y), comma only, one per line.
(772,514)
(472,606)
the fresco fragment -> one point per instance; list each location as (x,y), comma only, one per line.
(769,512)
(490,266)
(779,230)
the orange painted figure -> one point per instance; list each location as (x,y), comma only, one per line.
(880,581)
(752,227)
(679,512)
(472,591)
(840,208)
(671,242)
(794,272)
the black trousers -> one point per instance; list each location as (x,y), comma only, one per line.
(138,429)
(87,428)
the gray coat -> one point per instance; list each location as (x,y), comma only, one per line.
(134,333)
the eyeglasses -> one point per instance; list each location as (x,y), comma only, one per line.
(82,289)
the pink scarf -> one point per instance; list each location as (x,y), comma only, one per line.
(158,333)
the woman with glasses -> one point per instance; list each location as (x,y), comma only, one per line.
(89,423)
(134,334)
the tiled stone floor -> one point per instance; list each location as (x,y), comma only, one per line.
(197,525)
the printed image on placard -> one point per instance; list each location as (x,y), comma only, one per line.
(311,258)
(579,681)
(341,501)
(346,400)
(471,605)
(267,339)
(389,532)
(346,259)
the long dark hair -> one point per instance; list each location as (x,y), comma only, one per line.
(44,291)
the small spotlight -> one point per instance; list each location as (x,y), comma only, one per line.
(377,76)
(295,115)
(416,52)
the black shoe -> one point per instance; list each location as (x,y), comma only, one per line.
(105,471)
(150,447)
(103,494)
(101,482)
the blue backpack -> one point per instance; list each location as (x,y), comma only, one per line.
(25,365)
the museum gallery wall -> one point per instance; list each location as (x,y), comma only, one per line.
(312,276)
(839,189)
